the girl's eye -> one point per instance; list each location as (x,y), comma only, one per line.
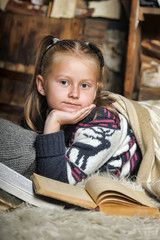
(64,83)
(84,85)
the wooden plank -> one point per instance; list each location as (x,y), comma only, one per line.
(20,35)
(13,92)
(17,67)
(95,30)
(148,93)
(131,54)
(149,11)
(15,76)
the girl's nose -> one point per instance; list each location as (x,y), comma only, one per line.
(74,92)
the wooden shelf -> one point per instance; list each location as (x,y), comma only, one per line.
(147,11)
(143,25)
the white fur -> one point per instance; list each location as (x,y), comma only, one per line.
(31,223)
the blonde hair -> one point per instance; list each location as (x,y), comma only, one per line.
(36,103)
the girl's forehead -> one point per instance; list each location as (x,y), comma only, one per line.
(62,57)
(69,65)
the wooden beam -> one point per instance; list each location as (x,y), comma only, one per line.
(131,54)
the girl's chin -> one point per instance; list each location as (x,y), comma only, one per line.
(70,110)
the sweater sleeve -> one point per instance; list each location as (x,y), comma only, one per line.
(51,160)
(91,146)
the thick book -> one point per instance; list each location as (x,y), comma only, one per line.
(15,184)
(101,193)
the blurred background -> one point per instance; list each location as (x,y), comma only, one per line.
(127,30)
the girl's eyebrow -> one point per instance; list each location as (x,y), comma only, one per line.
(67,76)
(62,76)
(87,80)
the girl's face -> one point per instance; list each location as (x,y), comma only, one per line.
(71,85)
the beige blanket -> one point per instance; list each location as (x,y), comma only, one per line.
(144,118)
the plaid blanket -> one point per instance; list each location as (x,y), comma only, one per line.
(144,118)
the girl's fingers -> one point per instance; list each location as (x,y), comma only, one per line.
(87,109)
(83,113)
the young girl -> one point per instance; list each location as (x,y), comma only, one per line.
(80,130)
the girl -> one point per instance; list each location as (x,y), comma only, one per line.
(81,131)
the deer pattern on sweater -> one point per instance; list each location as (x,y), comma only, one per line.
(105,145)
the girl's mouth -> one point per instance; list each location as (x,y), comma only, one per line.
(70,104)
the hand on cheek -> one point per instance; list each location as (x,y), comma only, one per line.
(58,118)
(79,115)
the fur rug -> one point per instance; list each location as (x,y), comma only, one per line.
(32,223)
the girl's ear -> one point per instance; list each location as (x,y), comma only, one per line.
(40,85)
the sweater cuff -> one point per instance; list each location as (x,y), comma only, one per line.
(49,145)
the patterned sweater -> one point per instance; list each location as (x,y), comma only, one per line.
(104,144)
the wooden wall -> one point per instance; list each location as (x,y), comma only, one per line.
(19,38)
(19,35)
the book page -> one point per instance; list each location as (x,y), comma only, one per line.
(19,186)
(62,191)
(29,198)
(16,179)
(115,197)
(97,185)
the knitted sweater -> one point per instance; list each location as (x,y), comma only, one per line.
(104,144)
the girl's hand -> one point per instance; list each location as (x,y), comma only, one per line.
(57,118)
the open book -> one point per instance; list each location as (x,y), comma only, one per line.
(15,185)
(105,194)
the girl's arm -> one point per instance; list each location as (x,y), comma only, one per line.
(56,118)
(52,142)
(50,152)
